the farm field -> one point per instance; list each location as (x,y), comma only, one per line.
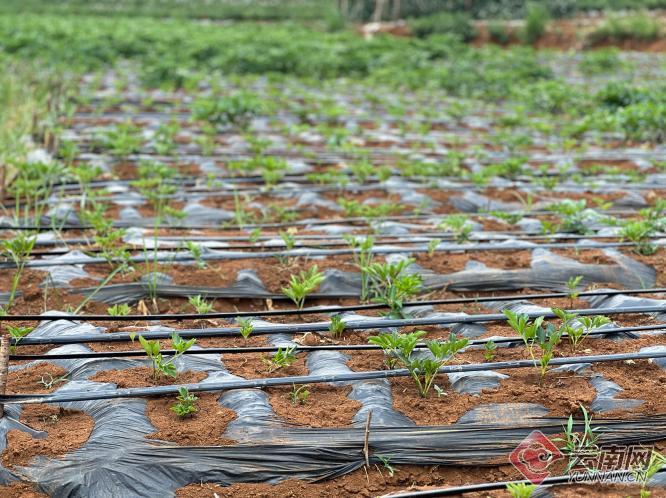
(273,259)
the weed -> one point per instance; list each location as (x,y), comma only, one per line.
(185,405)
(303,285)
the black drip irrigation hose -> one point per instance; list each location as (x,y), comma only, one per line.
(628,331)
(326,309)
(298,328)
(299,223)
(591,478)
(223,256)
(142,392)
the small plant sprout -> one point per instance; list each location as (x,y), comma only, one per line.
(386,463)
(17,333)
(289,243)
(579,445)
(527,330)
(639,232)
(572,288)
(432,246)
(196,251)
(303,285)
(392,285)
(161,365)
(184,406)
(457,223)
(18,250)
(299,395)
(362,253)
(337,326)
(49,381)
(200,305)
(547,338)
(578,332)
(119,310)
(489,350)
(520,489)
(246,327)
(282,358)
(643,473)
(396,345)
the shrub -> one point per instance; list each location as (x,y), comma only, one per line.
(639,26)
(458,25)
(536,20)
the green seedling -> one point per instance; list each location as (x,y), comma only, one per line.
(299,395)
(386,463)
(520,489)
(17,333)
(489,350)
(572,288)
(200,305)
(246,327)
(579,444)
(643,473)
(578,333)
(196,251)
(432,246)
(18,250)
(303,285)
(119,310)
(337,326)
(282,358)
(396,345)
(162,365)
(362,253)
(458,224)
(527,330)
(185,405)
(391,285)
(639,232)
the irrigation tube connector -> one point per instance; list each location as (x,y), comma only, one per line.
(322,309)
(142,392)
(230,255)
(582,478)
(301,328)
(628,331)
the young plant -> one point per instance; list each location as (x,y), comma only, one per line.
(643,473)
(396,346)
(289,243)
(17,333)
(362,253)
(282,358)
(200,305)
(520,489)
(299,395)
(527,330)
(432,246)
(337,326)
(119,310)
(162,365)
(303,285)
(639,232)
(391,285)
(457,223)
(246,327)
(547,338)
(572,288)
(425,370)
(51,381)
(386,463)
(196,251)
(18,250)
(578,333)
(489,350)
(184,406)
(578,445)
